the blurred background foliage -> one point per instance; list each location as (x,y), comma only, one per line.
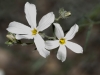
(24,60)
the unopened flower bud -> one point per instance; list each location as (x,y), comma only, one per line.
(11,37)
(67,14)
(63,13)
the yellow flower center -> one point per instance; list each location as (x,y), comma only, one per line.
(62,41)
(34,31)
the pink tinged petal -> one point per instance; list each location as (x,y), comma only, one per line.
(18,37)
(71,33)
(18,28)
(61,55)
(30,11)
(74,47)
(46,21)
(58,31)
(51,44)
(40,45)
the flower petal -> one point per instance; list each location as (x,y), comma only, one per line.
(2,72)
(39,42)
(71,33)
(30,11)
(18,37)
(46,21)
(51,44)
(58,31)
(61,55)
(18,28)
(74,47)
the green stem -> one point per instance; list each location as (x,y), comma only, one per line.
(89,24)
(57,19)
(88,35)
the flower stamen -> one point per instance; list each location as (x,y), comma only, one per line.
(34,31)
(62,41)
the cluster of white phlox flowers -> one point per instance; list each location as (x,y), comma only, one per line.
(22,31)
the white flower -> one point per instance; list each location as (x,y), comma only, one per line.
(64,42)
(23,31)
(2,72)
